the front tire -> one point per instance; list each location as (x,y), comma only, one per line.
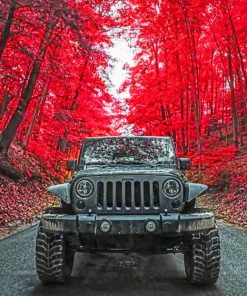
(202,258)
(53,262)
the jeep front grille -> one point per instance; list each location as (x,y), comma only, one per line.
(131,196)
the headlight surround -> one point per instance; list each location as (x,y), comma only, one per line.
(171,187)
(84,188)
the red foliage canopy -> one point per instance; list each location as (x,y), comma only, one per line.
(53,87)
(189,79)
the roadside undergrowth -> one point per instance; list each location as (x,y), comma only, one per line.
(22,200)
(227,194)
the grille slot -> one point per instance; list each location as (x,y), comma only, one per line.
(137,195)
(100,193)
(134,196)
(128,194)
(156,195)
(109,194)
(119,194)
(146,194)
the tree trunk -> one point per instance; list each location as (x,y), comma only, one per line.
(3,105)
(8,134)
(233,101)
(6,27)
(195,74)
(37,108)
(62,142)
(75,97)
(237,47)
(183,145)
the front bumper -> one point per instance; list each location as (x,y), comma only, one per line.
(166,224)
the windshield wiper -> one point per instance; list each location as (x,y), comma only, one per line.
(148,163)
(136,162)
(168,163)
(111,164)
(97,163)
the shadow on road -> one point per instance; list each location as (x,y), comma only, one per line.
(117,274)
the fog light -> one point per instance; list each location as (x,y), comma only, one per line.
(150,226)
(105,226)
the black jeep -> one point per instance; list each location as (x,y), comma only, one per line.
(129,194)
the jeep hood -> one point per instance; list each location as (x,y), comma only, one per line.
(129,170)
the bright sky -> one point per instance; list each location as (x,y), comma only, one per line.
(123,54)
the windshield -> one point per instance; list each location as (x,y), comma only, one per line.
(129,151)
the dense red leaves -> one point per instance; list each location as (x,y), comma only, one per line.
(190,73)
(230,203)
(21,202)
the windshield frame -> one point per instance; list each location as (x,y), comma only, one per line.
(91,139)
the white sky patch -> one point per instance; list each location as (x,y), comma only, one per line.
(122,53)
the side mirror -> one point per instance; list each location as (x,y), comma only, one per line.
(185,163)
(71,165)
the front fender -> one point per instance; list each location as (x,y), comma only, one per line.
(194,190)
(61,191)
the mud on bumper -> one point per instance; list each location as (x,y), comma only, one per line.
(166,224)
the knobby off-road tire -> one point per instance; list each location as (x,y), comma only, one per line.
(53,262)
(202,259)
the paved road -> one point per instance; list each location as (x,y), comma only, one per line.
(120,274)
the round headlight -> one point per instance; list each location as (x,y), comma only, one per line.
(84,188)
(171,187)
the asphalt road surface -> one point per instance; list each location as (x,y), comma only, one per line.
(116,274)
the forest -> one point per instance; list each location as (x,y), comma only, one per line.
(188,80)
